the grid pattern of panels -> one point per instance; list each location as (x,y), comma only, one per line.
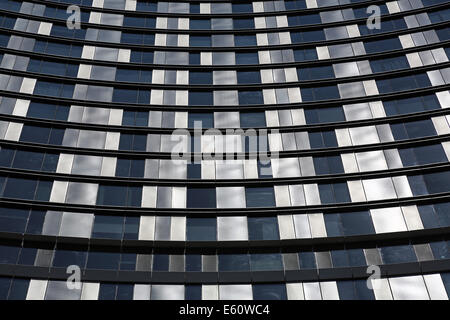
(225,149)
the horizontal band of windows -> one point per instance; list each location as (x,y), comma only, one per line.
(164,122)
(381,88)
(238,144)
(261,196)
(413,286)
(353,229)
(335,167)
(216,79)
(219,25)
(295,44)
(193,8)
(89,258)
(248,60)
(207,213)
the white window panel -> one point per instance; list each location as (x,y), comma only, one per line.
(286,227)
(82,193)
(167,292)
(349,162)
(285,167)
(329,290)
(147,228)
(235,292)
(297,195)
(229,169)
(412,217)
(317,225)
(312,291)
(232,229)
(302,228)
(379,189)
(282,197)
(409,288)
(230,197)
(347,69)
(75,224)
(435,286)
(364,135)
(371,161)
(388,220)
(90,291)
(356,190)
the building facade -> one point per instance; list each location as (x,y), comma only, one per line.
(224,149)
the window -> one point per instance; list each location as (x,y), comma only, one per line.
(398,254)
(243,58)
(201,229)
(201,197)
(103,260)
(234,262)
(119,196)
(109,227)
(259,197)
(269,292)
(64,258)
(13,220)
(263,228)
(266,261)
(334,193)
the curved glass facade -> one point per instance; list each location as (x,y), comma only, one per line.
(225,149)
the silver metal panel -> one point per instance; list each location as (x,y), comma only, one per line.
(311,194)
(329,290)
(312,291)
(36,289)
(75,224)
(302,229)
(58,290)
(286,227)
(178,229)
(379,189)
(230,197)
(90,291)
(170,169)
(141,292)
(235,292)
(91,139)
(162,228)
(87,165)
(52,223)
(82,193)
(226,119)
(295,291)
(285,167)
(364,135)
(409,288)
(371,160)
(402,188)
(323,259)
(167,292)
(147,228)
(412,217)
(282,198)
(393,158)
(388,220)
(232,229)
(356,190)
(317,225)
(164,198)
(435,287)
(297,195)
(357,111)
(176,263)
